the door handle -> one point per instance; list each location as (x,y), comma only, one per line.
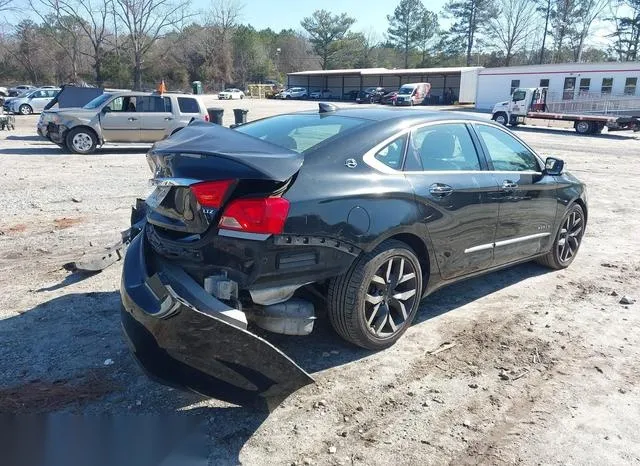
(508,185)
(168,119)
(440,190)
(132,119)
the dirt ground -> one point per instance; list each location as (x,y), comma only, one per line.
(538,367)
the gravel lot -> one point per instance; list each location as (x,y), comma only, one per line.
(545,367)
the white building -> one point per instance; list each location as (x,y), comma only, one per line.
(461,80)
(565,81)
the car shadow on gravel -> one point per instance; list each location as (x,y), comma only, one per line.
(14,137)
(464,292)
(324,348)
(55,150)
(67,355)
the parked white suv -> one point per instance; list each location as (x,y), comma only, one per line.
(294,93)
(120,117)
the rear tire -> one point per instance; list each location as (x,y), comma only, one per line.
(583,127)
(567,241)
(375,301)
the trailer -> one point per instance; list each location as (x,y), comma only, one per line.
(590,114)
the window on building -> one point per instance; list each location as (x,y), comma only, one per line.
(607,85)
(544,83)
(585,84)
(630,86)
(515,83)
(569,89)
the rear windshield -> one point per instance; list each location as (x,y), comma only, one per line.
(189,105)
(95,103)
(301,132)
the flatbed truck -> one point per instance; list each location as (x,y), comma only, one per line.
(589,116)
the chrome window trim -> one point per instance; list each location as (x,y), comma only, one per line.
(370,159)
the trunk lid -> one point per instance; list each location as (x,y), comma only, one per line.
(208,152)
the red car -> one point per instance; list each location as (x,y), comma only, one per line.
(389,98)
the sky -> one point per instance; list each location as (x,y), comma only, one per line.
(285,14)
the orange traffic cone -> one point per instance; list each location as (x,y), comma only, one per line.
(161,87)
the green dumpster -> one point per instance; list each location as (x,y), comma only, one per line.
(197,87)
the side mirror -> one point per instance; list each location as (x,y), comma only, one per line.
(106,109)
(553,166)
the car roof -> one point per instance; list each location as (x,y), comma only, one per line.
(142,93)
(397,114)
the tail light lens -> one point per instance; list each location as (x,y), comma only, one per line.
(211,193)
(206,117)
(256,215)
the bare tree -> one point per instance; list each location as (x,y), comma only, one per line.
(63,30)
(224,17)
(545,7)
(588,12)
(90,21)
(511,26)
(7,5)
(145,21)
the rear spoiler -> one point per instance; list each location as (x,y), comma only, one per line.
(252,157)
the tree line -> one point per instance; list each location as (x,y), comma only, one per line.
(136,43)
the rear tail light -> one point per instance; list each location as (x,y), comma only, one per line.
(266,216)
(211,193)
(206,117)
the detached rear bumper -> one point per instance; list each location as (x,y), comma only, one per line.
(186,338)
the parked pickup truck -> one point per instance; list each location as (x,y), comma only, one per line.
(120,117)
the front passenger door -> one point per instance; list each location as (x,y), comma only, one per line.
(119,120)
(527,196)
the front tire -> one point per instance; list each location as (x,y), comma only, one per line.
(81,141)
(25,109)
(375,301)
(567,240)
(501,118)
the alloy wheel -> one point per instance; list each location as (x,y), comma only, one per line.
(26,110)
(390,297)
(570,236)
(82,142)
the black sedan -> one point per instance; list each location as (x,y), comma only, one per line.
(372,208)
(371,95)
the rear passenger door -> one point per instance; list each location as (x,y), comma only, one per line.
(455,196)
(156,119)
(38,100)
(527,197)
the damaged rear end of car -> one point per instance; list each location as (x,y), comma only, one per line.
(213,256)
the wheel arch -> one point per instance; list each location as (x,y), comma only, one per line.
(419,246)
(86,128)
(582,204)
